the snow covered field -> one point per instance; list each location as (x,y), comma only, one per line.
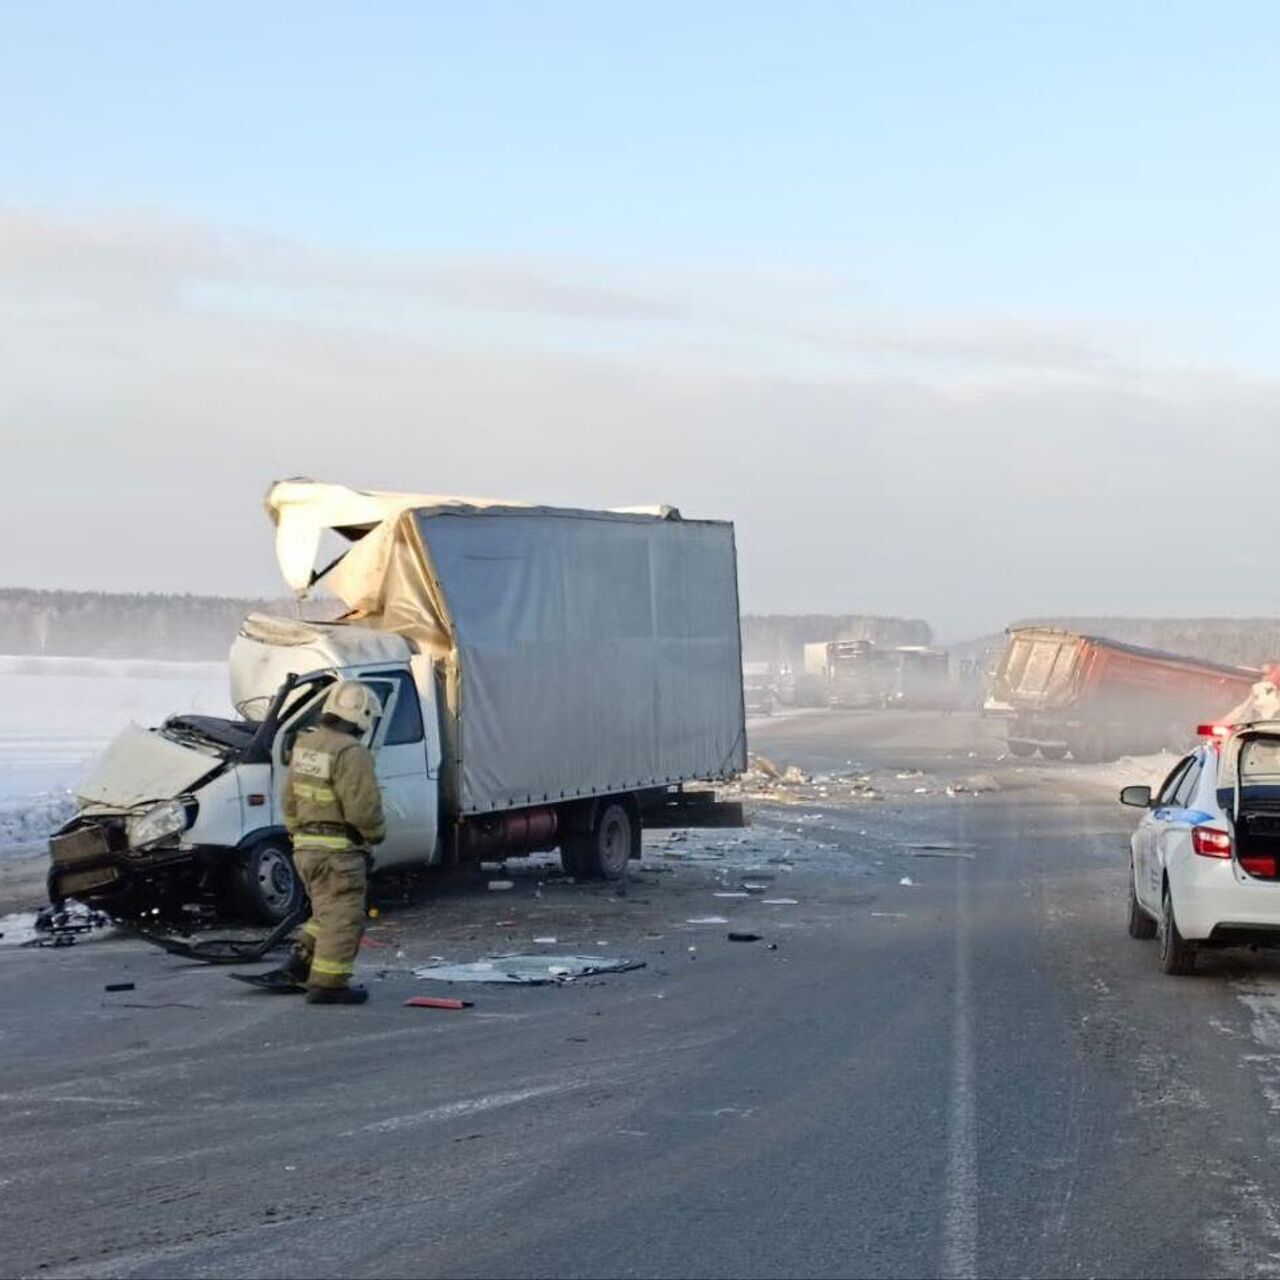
(56,714)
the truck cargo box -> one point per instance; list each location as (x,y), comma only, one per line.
(595,653)
(578,653)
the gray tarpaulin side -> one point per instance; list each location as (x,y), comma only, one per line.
(592,652)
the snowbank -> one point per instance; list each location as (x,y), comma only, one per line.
(57,714)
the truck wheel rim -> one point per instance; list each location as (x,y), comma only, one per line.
(614,844)
(275,878)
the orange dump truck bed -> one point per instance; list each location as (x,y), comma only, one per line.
(1099,698)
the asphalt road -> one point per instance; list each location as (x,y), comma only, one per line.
(977,1073)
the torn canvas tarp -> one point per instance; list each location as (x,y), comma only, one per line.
(524,970)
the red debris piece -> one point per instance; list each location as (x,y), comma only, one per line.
(435,1002)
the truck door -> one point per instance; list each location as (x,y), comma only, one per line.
(400,760)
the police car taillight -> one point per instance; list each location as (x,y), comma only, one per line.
(1209,842)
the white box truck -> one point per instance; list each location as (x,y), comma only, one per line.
(549,678)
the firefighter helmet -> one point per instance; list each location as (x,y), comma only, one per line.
(355,703)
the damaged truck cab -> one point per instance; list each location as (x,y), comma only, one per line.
(549,679)
(192,810)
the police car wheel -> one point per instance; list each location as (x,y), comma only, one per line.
(268,888)
(1177,956)
(1141,925)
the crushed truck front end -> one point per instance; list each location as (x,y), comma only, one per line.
(161,817)
(190,813)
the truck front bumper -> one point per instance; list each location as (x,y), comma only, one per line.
(92,859)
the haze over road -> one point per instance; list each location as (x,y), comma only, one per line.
(977,1073)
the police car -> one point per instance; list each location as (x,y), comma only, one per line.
(1204,866)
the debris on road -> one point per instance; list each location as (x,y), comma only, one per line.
(526,970)
(906,880)
(780,902)
(762,764)
(941,849)
(436,1002)
(708,920)
(744,937)
(496,886)
(52,926)
(118,986)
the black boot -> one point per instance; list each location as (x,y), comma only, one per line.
(336,995)
(288,980)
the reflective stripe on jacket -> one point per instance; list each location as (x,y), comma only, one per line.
(331,790)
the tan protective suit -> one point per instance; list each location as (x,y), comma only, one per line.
(333,811)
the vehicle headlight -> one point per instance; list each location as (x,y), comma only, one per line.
(157,823)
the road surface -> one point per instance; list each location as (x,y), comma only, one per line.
(974,1073)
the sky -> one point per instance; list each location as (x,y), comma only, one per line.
(963,312)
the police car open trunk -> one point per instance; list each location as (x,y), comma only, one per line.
(1250,791)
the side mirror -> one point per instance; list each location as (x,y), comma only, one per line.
(1138,797)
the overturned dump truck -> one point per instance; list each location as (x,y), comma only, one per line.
(1099,699)
(549,678)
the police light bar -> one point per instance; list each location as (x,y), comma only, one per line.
(1214,730)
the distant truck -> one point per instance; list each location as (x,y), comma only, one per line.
(805,684)
(1099,699)
(922,678)
(759,686)
(549,678)
(860,674)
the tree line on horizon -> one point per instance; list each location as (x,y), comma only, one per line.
(183,627)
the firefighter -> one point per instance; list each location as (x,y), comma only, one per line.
(333,810)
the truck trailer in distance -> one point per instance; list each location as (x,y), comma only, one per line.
(1099,699)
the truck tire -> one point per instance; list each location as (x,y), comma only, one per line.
(1141,925)
(603,853)
(1055,752)
(1021,749)
(1177,956)
(571,857)
(267,888)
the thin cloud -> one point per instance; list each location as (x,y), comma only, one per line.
(756,318)
(139,439)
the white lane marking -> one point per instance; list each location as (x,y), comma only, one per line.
(960,1217)
(36,1095)
(463,1107)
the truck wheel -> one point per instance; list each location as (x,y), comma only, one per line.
(1141,925)
(1177,956)
(267,886)
(1021,749)
(571,857)
(1053,753)
(603,855)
